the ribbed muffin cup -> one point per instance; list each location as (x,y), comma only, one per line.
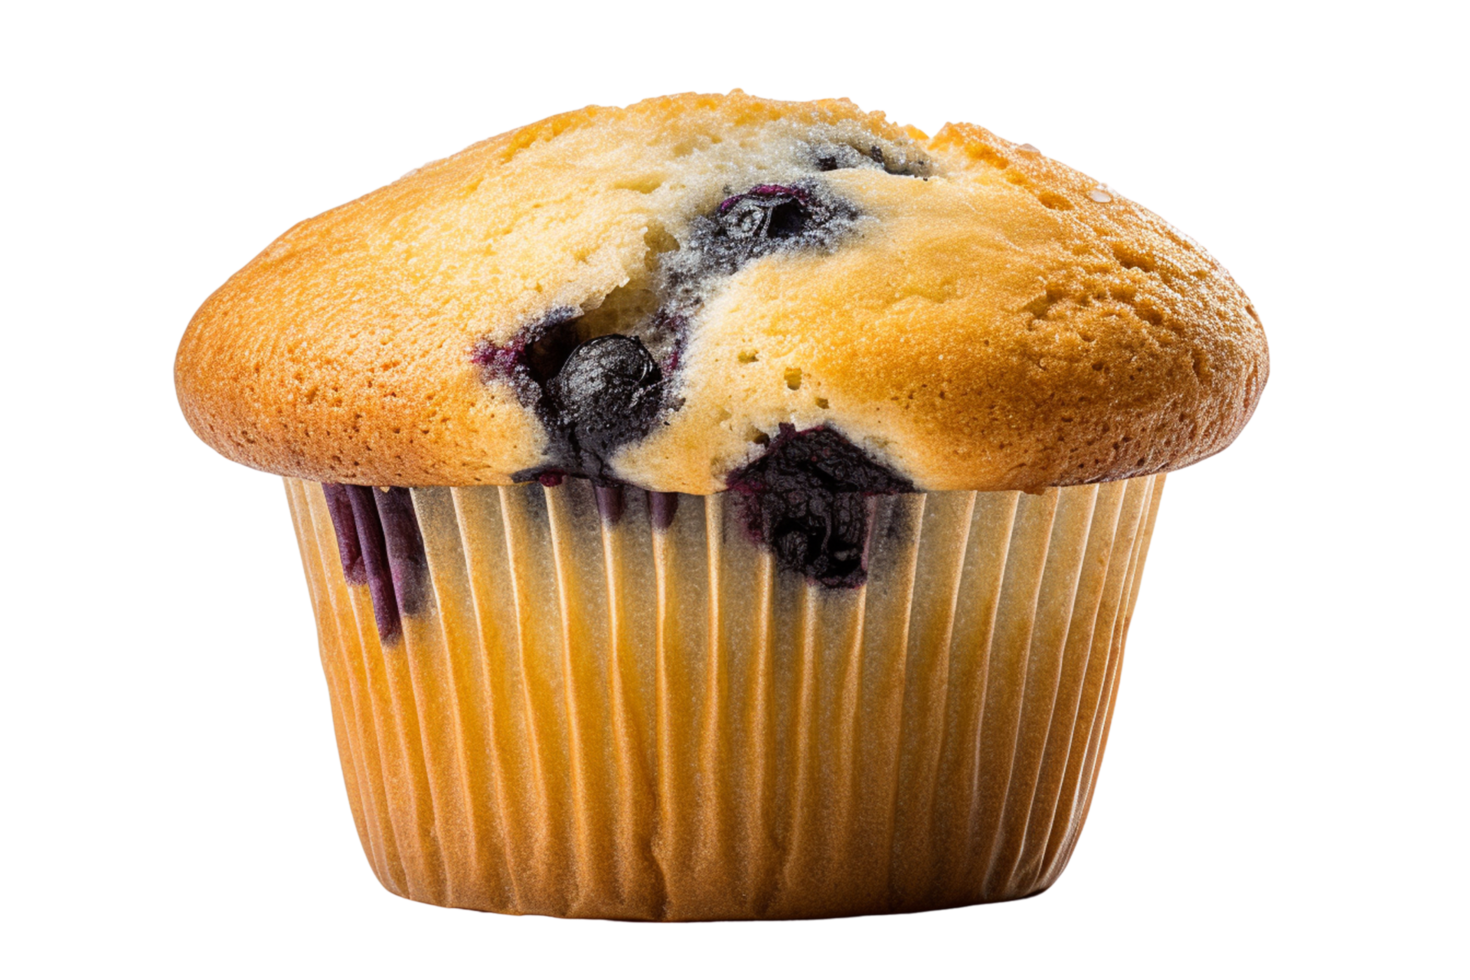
(645,718)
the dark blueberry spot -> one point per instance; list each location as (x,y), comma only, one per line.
(827,163)
(747,219)
(787,219)
(766,211)
(549,343)
(592,396)
(807,499)
(766,218)
(877,154)
(608,393)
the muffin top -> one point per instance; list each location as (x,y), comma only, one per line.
(669,294)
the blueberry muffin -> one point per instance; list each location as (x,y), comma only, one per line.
(724,508)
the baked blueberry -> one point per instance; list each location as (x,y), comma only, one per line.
(765,219)
(767,211)
(607,393)
(807,499)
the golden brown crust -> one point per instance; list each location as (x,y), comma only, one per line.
(1002,324)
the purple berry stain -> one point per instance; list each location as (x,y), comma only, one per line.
(662,507)
(808,499)
(610,502)
(339,506)
(533,356)
(380,546)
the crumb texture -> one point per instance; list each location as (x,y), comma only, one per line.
(648,295)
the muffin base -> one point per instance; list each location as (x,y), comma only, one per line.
(617,720)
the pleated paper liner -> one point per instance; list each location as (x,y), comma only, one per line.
(646,719)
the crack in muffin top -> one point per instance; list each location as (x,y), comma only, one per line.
(652,295)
